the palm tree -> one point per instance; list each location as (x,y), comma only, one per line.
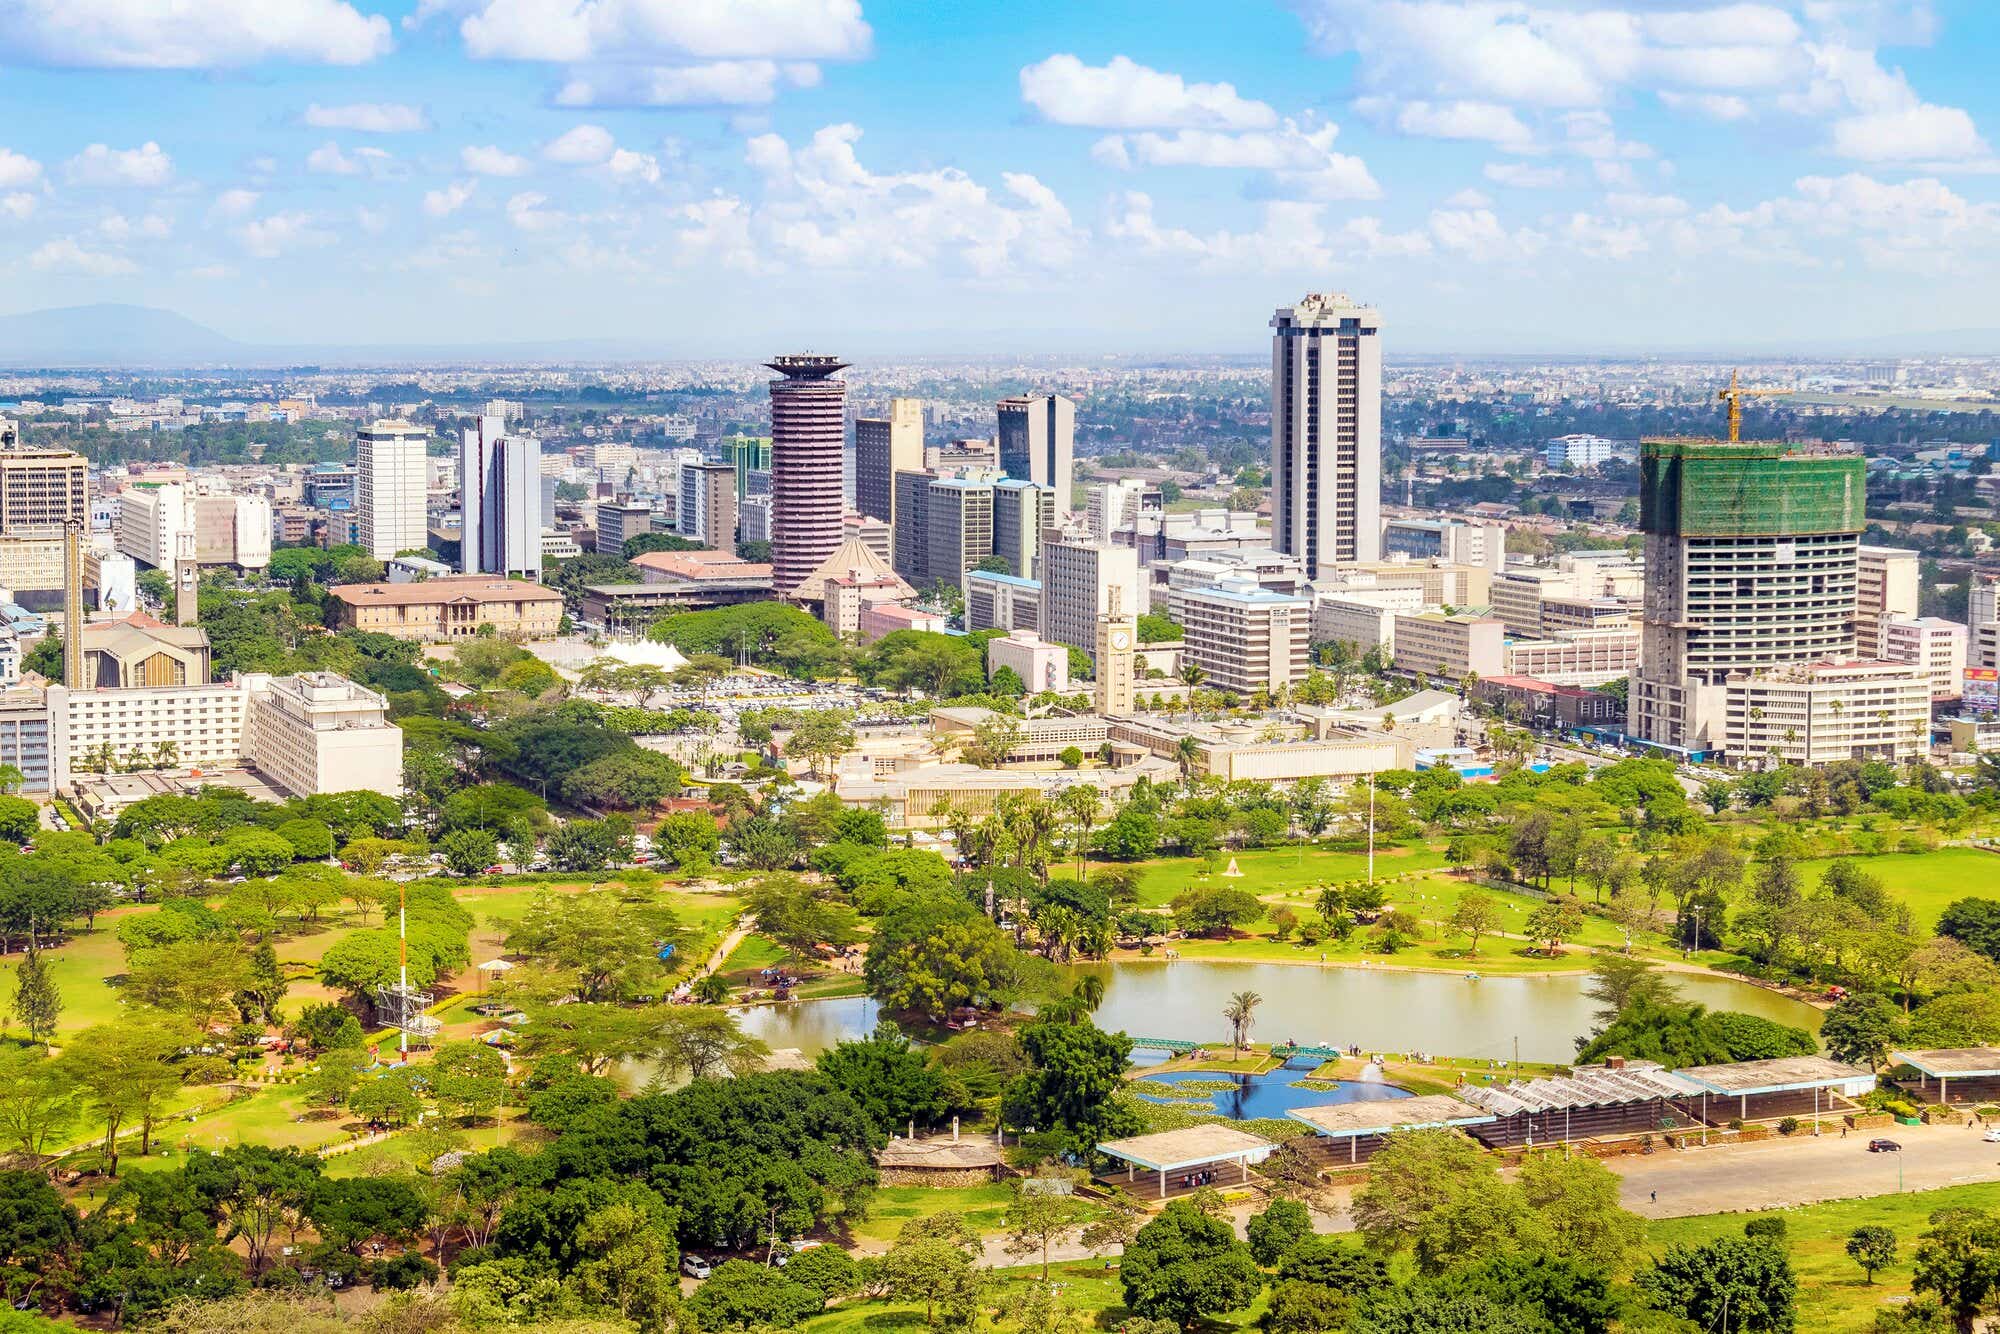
(1186,751)
(1241,1014)
(166,754)
(1192,673)
(1081,804)
(1089,991)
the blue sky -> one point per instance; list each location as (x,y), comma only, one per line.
(944,176)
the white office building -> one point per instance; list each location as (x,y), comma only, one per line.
(1326,432)
(1078,579)
(390,488)
(1579,451)
(500,501)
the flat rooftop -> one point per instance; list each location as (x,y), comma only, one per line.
(1952,1062)
(1170,1150)
(1789,1072)
(1380,1116)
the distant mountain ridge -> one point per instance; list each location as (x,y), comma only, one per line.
(111,335)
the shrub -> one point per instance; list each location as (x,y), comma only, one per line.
(1789,1126)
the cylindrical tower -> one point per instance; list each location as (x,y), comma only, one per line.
(808,434)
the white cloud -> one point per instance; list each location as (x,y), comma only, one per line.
(64,255)
(18,206)
(1301,160)
(447,200)
(626,165)
(722,83)
(1646,206)
(1470,198)
(1522,176)
(145,167)
(490,160)
(188,34)
(525,211)
(1920,133)
(328,160)
(584,146)
(1714,106)
(373,221)
(665,31)
(1292,237)
(1478,234)
(234,203)
(17,170)
(150,227)
(1602,238)
(1125,95)
(368,117)
(272,236)
(1485,122)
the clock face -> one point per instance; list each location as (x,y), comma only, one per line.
(1120,640)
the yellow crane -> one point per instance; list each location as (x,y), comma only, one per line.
(1734,396)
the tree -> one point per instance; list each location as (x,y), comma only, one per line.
(262,1190)
(702,1042)
(311,840)
(1730,1283)
(1272,1233)
(743,1295)
(935,1261)
(124,1073)
(1214,909)
(1873,1247)
(38,1102)
(1576,1199)
(349,1212)
(1554,922)
(935,952)
(1440,1195)
(1958,1262)
(1071,1085)
(1241,1014)
(468,851)
(627,1262)
(37,1000)
(1038,1217)
(1475,915)
(1974,923)
(1861,1028)
(888,1077)
(609,947)
(1186,1265)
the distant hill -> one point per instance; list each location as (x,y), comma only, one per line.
(111,335)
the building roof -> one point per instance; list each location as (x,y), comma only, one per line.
(139,633)
(1170,1150)
(460,588)
(1585,1086)
(1379,1116)
(853,558)
(1786,1073)
(1953,1062)
(698,565)
(1018,581)
(939,1154)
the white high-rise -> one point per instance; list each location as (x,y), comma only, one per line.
(1082,581)
(390,488)
(1326,432)
(500,501)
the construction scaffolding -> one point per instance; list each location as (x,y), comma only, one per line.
(1707,488)
(399,1005)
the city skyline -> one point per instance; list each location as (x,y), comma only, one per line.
(1128,179)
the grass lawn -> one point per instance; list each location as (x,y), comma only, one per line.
(1833,1299)
(1927,881)
(1086,1286)
(894,1206)
(1270,871)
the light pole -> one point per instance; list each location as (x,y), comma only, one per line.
(1371,827)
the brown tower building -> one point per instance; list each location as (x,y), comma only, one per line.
(808,437)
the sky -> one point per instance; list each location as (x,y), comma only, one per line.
(965,177)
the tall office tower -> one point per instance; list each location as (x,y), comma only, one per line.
(1081,581)
(41,490)
(749,454)
(1021,510)
(913,532)
(151,520)
(708,509)
(1752,554)
(1109,506)
(1326,432)
(958,516)
(389,488)
(808,438)
(500,501)
(1116,642)
(883,447)
(1886,583)
(1982,602)
(1038,442)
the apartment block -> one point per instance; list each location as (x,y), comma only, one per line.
(618,521)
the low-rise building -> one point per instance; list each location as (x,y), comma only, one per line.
(1578,658)
(1454,541)
(1362,625)
(1820,713)
(1043,740)
(1433,644)
(447,609)
(317,732)
(846,596)
(878,619)
(996,601)
(1040,664)
(1545,704)
(1272,751)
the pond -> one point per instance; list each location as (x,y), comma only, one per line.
(1378,1009)
(1270,1094)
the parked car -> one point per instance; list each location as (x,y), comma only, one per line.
(695,1267)
(1884,1146)
(1992,1136)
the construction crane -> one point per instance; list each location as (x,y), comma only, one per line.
(1734,396)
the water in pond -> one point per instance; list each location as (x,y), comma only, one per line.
(1378,1009)
(1267,1095)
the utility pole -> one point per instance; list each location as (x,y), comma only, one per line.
(403,965)
(1371,827)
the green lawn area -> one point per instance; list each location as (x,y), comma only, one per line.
(1086,1286)
(1268,871)
(894,1206)
(1833,1299)
(1927,881)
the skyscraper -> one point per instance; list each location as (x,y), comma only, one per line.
(708,507)
(883,447)
(1326,432)
(500,501)
(808,431)
(958,515)
(1021,510)
(1081,581)
(389,488)
(1038,442)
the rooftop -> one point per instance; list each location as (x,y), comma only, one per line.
(1790,1072)
(1195,1146)
(702,565)
(1379,1116)
(1952,1062)
(463,588)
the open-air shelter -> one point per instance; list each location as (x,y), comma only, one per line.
(1973,1071)
(1364,1125)
(1591,1101)
(1183,1154)
(1787,1086)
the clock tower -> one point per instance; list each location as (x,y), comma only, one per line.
(1117,639)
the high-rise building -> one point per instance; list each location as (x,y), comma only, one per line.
(1752,555)
(958,517)
(1038,442)
(618,521)
(1326,432)
(1886,584)
(151,520)
(389,488)
(883,447)
(1245,636)
(500,501)
(708,504)
(749,454)
(912,531)
(1081,581)
(1021,510)
(808,437)
(1454,541)
(1109,506)
(41,489)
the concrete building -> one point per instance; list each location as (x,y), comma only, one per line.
(878,619)
(317,733)
(1885,584)
(24,736)
(913,526)
(750,457)
(1933,645)
(1001,602)
(1037,439)
(808,445)
(137,650)
(1021,510)
(41,489)
(883,447)
(116,579)
(448,609)
(500,501)
(845,596)
(100,730)
(872,533)
(1040,664)
(1752,558)
(1080,580)
(1362,625)
(1567,615)
(1453,541)
(1576,658)
(708,504)
(1579,451)
(1282,752)
(1245,637)
(1543,704)
(958,518)
(1109,506)
(618,521)
(151,520)
(753,519)
(1820,713)
(1326,432)
(390,488)
(1433,644)
(1439,584)
(1116,644)
(231,529)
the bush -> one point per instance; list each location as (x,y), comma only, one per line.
(1766,1229)
(1789,1126)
